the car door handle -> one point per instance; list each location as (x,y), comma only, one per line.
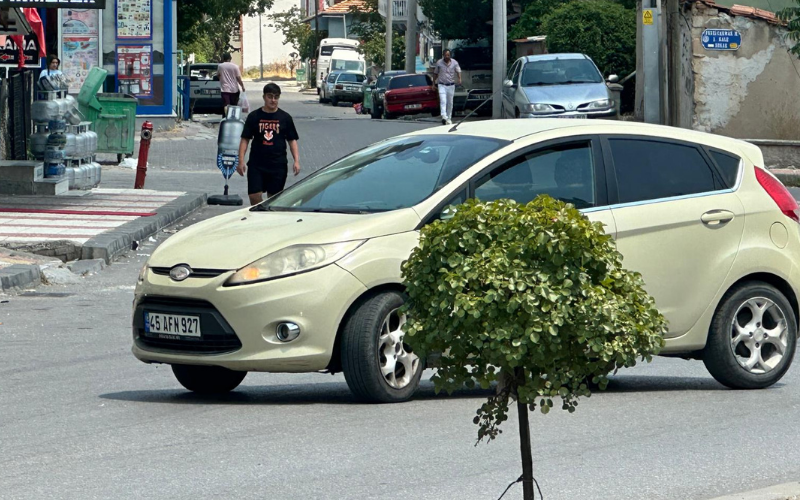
(716,217)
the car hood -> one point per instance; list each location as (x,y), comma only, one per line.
(575,94)
(236,239)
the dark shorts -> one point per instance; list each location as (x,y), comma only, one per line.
(230,98)
(265,181)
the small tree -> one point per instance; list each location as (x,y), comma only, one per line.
(533,297)
(296,33)
(602,29)
(370,28)
(791,16)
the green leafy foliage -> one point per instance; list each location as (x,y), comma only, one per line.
(602,29)
(295,32)
(530,22)
(791,16)
(370,28)
(207,25)
(533,297)
(459,19)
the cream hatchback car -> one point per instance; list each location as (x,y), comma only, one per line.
(310,279)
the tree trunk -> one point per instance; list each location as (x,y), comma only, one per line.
(525,451)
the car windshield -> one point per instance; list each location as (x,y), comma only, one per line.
(393,174)
(351,77)
(403,82)
(560,72)
(342,65)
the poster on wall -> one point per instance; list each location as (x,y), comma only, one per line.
(134,70)
(80,45)
(134,19)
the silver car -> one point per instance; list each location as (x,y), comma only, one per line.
(557,86)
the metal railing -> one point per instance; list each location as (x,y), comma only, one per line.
(399,9)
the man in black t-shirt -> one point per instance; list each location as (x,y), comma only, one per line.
(270,129)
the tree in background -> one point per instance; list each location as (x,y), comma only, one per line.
(791,16)
(530,22)
(295,32)
(459,19)
(370,28)
(602,29)
(205,26)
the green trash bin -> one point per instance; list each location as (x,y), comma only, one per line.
(113,115)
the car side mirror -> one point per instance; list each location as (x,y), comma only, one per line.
(613,79)
(509,84)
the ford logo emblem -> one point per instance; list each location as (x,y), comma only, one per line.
(180,272)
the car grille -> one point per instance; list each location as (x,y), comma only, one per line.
(196,273)
(217,335)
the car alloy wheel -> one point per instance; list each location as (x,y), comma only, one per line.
(398,364)
(759,335)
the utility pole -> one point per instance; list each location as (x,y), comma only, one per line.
(260,46)
(651,55)
(316,39)
(498,55)
(389,35)
(411,38)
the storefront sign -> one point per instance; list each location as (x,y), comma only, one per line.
(134,19)
(54,4)
(135,70)
(9,53)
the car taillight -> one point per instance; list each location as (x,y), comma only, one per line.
(778,192)
(339,87)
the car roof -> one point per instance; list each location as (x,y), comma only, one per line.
(512,130)
(393,72)
(552,57)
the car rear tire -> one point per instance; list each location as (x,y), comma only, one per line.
(334,102)
(374,113)
(752,338)
(378,366)
(388,116)
(208,379)
(437,113)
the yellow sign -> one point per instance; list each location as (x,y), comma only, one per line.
(647,16)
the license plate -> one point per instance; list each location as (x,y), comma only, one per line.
(413,106)
(172,324)
(481,97)
(210,91)
(573,116)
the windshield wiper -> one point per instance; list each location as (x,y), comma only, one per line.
(340,211)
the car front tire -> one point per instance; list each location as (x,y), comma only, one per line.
(208,379)
(752,338)
(378,366)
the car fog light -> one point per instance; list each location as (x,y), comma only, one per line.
(287,332)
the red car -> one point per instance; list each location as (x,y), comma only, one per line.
(410,95)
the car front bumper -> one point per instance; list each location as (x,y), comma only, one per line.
(316,301)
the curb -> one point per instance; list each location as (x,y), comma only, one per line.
(19,275)
(111,243)
(786,491)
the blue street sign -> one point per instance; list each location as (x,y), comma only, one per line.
(721,39)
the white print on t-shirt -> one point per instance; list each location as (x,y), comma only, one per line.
(268,129)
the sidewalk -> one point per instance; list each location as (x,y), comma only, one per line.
(85,225)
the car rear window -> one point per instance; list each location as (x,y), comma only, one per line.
(651,170)
(351,77)
(728,167)
(402,82)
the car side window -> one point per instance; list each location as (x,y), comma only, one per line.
(728,167)
(451,205)
(515,76)
(512,71)
(565,172)
(651,170)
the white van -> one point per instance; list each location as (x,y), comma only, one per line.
(325,53)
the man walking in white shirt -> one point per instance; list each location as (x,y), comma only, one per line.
(446,75)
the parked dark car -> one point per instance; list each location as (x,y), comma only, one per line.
(204,88)
(376,111)
(410,95)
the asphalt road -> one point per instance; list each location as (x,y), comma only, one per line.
(81,418)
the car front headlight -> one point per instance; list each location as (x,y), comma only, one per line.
(292,260)
(143,273)
(538,107)
(600,104)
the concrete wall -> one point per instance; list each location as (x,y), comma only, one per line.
(274,51)
(747,93)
